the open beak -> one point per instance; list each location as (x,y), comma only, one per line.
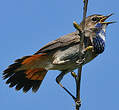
(106,17)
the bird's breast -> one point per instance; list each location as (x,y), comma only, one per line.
(99,42)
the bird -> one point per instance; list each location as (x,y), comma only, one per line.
(61,54)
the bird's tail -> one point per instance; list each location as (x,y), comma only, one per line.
(25,74)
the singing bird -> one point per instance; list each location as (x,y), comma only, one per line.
(61,54)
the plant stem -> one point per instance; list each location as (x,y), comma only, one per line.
(82,35)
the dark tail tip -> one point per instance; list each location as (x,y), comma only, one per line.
(19,79)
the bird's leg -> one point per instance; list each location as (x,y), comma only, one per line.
(81,61)
(58,80)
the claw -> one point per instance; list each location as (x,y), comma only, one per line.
(78,102)
(88,48)
(73,74)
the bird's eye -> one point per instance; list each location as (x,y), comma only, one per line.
(95,19)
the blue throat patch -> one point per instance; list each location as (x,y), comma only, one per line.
(98,42)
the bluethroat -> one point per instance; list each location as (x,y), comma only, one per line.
(61,54)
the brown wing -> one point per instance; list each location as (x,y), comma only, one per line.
(67,40)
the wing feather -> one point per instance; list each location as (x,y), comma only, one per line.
(66,40)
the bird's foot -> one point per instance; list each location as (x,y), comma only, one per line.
(78,103)
(74,74)
(88,48)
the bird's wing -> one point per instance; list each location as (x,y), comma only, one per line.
(66,40)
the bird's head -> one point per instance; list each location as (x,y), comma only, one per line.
(95,27)
(96,21)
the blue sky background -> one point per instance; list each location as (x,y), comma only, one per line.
(27,25)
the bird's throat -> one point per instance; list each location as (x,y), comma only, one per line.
(99,42)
